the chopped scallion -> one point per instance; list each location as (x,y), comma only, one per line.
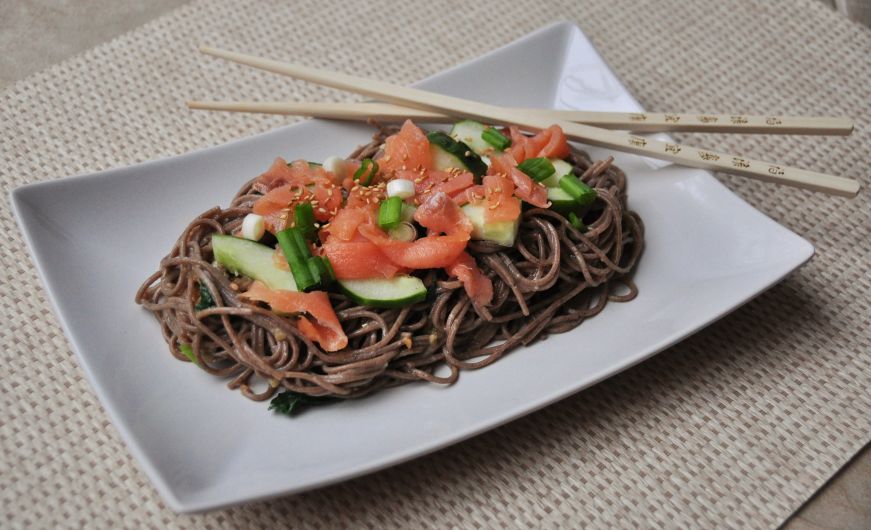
(188,352)
(367,171)
(321,270)
(537,168)
(390,213)
(579,190)
(331,274)
(496,139)
(304,219)
(576,222)
(296,251)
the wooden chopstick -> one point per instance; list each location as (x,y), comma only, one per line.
(619,141)
(625,121)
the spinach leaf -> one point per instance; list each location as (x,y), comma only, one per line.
(292,403)
(206,301)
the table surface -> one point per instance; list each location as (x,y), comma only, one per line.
(57,30)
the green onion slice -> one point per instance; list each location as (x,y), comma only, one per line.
(188,352)
(296,251)
(366,172)
(576,222)
(537,168)
(321,270)
(579,190)
(390,213)
(496,139)
(331,274)
(304,219)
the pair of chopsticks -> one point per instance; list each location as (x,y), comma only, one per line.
(592,128)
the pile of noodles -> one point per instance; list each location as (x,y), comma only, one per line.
(553,279)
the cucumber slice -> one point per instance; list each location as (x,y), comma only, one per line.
(448,153)
(562,168)
(241,256)
(398,291)
(469,132)
(560,200)
(500,232)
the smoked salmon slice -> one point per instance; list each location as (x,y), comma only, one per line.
(317,320)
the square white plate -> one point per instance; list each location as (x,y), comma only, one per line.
(95,237)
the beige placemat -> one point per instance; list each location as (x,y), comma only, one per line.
(735,427)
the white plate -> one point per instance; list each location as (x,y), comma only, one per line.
(96,237)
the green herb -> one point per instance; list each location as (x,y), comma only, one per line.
(390,213)
(579,190)
(496,139)
(321,270)
(292,403)
(296,252)
(206,301)
(331,274)
(576,222)
(188,352)
(304,219)
(537,168)
(367,171)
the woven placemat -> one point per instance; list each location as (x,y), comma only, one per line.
(736,426)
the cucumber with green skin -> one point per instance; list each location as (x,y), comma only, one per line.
(561,201)
(399,291)
(501,232)
(448,153)
(469,132)
(562,168)
(256,261)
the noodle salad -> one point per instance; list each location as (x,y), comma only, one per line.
(418,256)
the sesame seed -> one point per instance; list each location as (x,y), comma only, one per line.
(282,216)
(322,210)
(234,286)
